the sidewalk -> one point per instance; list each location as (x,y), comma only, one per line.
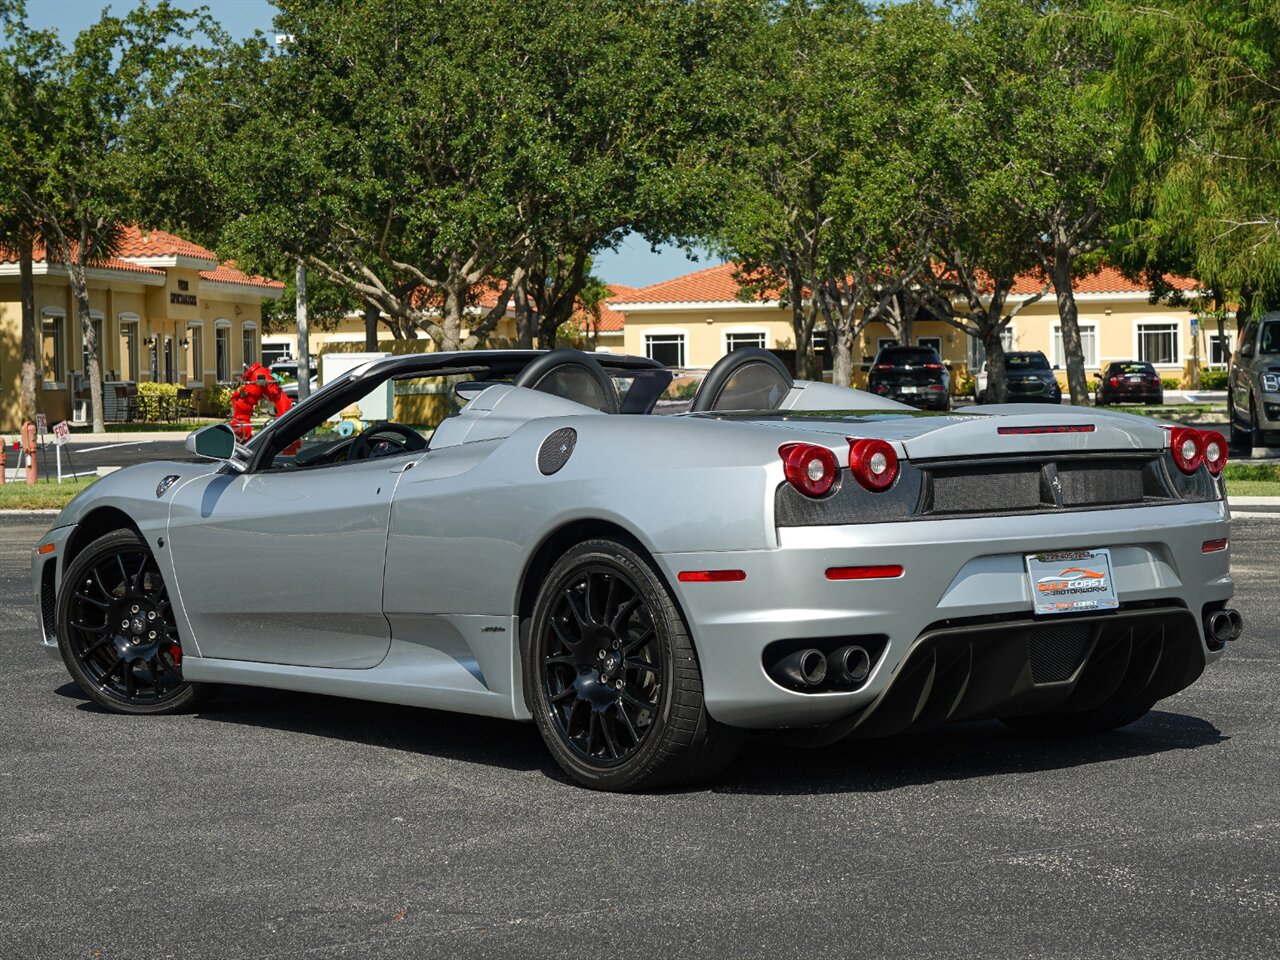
(140,436)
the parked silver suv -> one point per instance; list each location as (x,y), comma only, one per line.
(1253,383)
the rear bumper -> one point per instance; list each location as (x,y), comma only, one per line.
(964,571)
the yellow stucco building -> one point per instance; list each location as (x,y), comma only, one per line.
(165,310)
(695,319)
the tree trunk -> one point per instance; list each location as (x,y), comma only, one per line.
(371,315)
(802,320)
(30,330)
(80,290)
(1068,316)
(839,339)
(451,321)
(997,388)
(304,337)
(524,316)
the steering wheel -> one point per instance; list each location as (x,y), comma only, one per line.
(361,449)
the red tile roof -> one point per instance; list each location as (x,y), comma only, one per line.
(1106,280)
(720,284)
(143,244)
(611,320)
(228,272)
(39,255)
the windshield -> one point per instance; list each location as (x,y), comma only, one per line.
(1270,342)
(1026,361)
(1117,368)
(908,355)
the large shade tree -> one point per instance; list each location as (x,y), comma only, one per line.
(83,184)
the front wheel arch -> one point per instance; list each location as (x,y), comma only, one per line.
(97,523)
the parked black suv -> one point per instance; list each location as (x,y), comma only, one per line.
(914,375)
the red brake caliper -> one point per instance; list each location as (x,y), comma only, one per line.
(175,654)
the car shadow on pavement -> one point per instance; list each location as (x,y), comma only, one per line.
(436,733)
(960,752)
(963,751)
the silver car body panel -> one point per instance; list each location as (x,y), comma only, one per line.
(399,579)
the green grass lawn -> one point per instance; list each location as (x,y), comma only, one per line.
(41,496)
(1252,479)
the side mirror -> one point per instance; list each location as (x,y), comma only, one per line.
(1056,367)
(218,442)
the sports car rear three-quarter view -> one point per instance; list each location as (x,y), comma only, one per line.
(566,538)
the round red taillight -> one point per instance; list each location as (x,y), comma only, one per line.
(1188,448)
(809,468)
(1215,451)
(873,463)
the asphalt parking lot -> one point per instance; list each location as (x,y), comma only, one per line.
(285,825)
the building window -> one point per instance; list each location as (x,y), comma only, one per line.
(666,348)
(933,343)
(882,342)
(273,353)
(195,356)
(1219,349)
(740,341)
(1088,345)
(129,349)
(819,340)
(1158,343)
(52,335)
(222,353)
(170,368)
(249,345)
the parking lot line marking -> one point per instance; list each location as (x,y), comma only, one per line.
(112,446)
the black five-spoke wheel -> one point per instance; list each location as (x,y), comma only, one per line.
(612,677)
(116,628)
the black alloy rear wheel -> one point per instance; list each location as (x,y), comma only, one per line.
(612,677)
(117,632)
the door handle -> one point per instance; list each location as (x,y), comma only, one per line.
(404,467)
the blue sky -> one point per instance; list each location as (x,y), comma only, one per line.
(633,263)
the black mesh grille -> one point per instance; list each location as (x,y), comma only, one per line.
(1100,482)
(1057,651)
(988,488)
(556,450)
(48,600)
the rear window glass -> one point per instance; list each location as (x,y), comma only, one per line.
(1026,361)
(1132,368)
(908,355)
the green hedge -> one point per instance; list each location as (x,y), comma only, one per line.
(1213,379)
(155,399)
(1171,383)
(217,401)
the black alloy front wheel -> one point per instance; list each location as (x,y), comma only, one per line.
(117,632)
(612,677)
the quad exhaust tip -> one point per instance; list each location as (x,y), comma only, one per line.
(801,669)
(849,665)
(805,669)
(1222,626)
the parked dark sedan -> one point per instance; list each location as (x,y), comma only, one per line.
(914,375)
(1129,381)
(1028,379)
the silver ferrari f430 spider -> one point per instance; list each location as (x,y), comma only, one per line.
(647,572)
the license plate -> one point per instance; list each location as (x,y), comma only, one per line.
(910,389)
(1069,581)
(1135,379)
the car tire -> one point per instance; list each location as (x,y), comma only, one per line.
(1240,439)
(612,678)
(1257,436)
(117,632)
(1086,723)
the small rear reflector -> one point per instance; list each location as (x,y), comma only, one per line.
(884,571)
(1059,428)
(711,576)
(45,548)
(1213,546)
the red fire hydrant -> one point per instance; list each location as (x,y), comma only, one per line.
(29,445)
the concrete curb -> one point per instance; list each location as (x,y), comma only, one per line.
(1253,501)
(43,512)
